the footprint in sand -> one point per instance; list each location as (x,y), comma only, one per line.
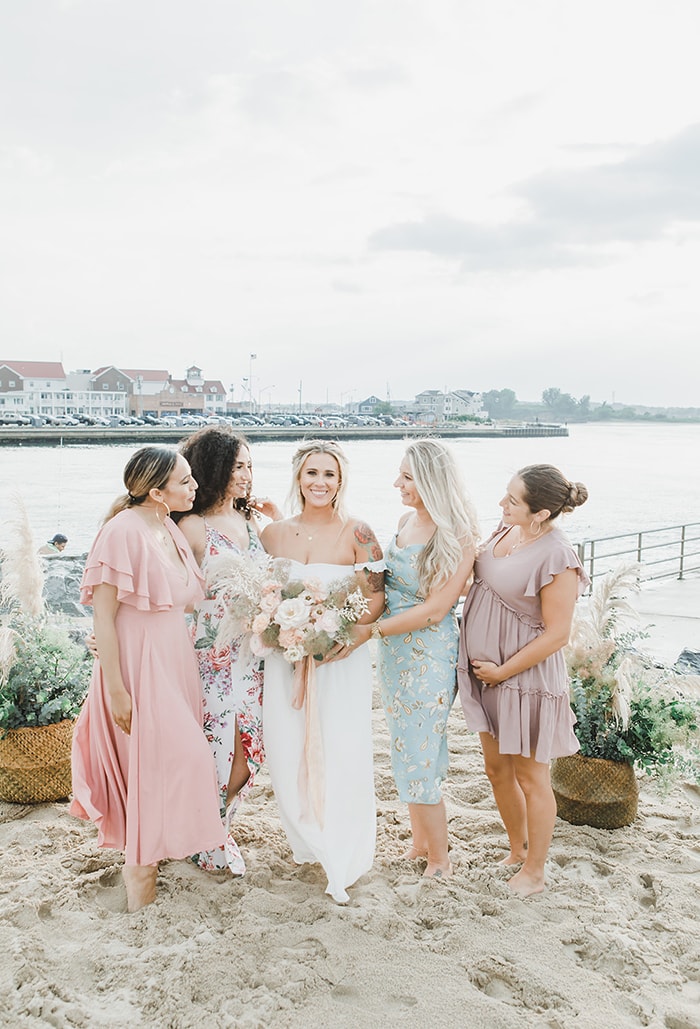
(384,1004)
(648,898)
(502,980)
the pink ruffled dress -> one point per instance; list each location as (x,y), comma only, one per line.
(154,793)
(529,714)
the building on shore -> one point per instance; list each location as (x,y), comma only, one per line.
(434,406)
(42,389)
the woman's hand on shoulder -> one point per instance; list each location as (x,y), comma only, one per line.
(267,507)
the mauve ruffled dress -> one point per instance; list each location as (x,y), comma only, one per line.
(152,794)
(529,714)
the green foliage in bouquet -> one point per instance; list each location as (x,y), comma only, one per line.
(44,674)
(626,709)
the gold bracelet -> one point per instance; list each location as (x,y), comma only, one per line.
(376,632)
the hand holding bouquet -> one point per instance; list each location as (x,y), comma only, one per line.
(274,612)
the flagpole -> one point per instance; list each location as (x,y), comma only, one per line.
(250,382)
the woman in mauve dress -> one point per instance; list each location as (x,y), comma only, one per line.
(513,683)
(142,768)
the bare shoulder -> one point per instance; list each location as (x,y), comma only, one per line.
(194,530)
(272,536)
(192,526)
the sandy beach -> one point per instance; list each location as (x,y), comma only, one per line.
(614,941)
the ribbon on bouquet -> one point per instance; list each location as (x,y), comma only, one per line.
(312,778)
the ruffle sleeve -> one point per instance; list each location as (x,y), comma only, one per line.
(560,555)
(124,557)
(371,566)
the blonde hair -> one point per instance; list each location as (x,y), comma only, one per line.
(440,487)
(319,446)
(149,468)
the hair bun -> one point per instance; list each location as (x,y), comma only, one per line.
(578,494)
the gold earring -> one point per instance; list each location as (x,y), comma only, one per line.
(539,527)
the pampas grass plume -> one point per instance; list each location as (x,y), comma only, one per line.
(22,587)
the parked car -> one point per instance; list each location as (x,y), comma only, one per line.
(65,419)
(14,419)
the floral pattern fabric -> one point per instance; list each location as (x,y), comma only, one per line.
(418,677)
(232,690)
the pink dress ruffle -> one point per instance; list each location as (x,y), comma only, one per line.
(152,794)
(529,714)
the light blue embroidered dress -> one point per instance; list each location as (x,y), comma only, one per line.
(418,678)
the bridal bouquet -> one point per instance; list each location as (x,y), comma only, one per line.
(274,612)
(302,619)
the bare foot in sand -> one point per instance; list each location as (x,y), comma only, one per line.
(524,884)
(140,882)
(513,858)
(413,853)
(438,871)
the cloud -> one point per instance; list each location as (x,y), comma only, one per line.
(572,216)
(378,76)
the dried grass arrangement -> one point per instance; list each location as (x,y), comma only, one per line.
(44,676)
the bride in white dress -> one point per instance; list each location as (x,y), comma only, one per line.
(324,544)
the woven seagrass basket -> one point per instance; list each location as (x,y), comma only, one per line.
(35,763)
(593,791)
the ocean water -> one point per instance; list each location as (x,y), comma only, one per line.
(639,477)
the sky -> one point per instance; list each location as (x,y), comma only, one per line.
(376,197)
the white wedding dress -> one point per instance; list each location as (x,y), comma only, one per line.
(344,843)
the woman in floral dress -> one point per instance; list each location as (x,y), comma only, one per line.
(429,563)
(222,519)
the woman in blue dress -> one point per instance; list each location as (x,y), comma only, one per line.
(429,564)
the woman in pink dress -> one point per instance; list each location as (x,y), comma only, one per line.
(142,768)
(512,677)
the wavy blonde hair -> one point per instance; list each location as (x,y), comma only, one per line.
(440,486)
(319,446)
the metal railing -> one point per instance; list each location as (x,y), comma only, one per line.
(671,552)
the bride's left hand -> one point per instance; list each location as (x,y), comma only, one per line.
(359,634)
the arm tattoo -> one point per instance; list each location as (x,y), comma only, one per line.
(366,539)
(375,581)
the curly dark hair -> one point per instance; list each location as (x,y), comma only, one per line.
(212,452)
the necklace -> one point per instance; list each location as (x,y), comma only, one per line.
(303,531)
(157,528)
(524,543)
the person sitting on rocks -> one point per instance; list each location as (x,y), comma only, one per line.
(56,545)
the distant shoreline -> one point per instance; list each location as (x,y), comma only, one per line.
(48,436)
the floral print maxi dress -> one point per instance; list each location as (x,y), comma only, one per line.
(418,678)
(232,692)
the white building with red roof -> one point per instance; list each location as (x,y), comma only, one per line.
(42,388)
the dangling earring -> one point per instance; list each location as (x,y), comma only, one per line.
(167,510)
(539,528)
